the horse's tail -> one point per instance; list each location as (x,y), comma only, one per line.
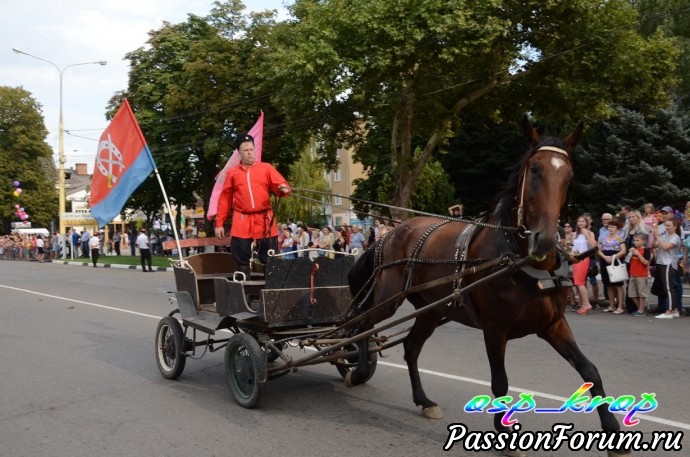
(361,281)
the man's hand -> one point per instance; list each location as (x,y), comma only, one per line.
(284,190)
(220,232)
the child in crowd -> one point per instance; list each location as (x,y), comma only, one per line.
(638,287)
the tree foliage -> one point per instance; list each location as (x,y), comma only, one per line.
(306,174)
(414,67)
(27,158)
(633,159)
(191,95)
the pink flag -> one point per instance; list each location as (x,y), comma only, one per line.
(257,132)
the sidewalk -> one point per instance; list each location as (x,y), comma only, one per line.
(85,263)
(103,262)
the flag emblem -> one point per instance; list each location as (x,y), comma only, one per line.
(104,164)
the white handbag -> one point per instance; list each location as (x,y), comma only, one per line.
(618,271)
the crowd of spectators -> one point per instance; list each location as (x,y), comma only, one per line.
(297,239)
(653,242)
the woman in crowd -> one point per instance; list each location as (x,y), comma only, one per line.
(637,225)
(612,248)
(667,248)
(584,240)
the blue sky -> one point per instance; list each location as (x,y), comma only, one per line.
(66,32)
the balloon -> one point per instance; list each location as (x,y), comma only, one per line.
(24,217)
(21,210)
(17,206)
(15,193)
(18,190)
(16,183)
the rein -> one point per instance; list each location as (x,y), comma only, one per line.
(475,221)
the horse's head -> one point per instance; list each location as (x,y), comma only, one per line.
(544,178)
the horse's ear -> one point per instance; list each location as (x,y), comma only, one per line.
(529,131)
(574,138)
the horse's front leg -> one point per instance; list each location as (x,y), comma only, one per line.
(495,343)
(422,329)
(561,338)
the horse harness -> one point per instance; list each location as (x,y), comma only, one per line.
(545,280)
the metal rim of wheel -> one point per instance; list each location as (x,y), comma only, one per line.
(245,365)
(169,348)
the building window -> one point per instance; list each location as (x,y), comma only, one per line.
(337,200)
(337,176)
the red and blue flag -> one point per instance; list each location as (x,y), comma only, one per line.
(123,162)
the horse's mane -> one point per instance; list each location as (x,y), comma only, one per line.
(505,200)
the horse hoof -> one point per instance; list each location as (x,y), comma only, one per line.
(348,379)
(620,454)
(516,453)
(432,412)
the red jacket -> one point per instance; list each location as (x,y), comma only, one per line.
(247,192)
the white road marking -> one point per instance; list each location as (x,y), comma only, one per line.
(658,420)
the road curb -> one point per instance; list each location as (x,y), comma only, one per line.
(107,265)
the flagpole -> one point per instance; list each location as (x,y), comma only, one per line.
(172,218)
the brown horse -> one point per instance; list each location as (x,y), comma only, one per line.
(522,224)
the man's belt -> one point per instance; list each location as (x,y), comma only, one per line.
(253,212)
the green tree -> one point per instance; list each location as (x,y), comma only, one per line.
(633,159)
(191,95)
(27,158)
(480,159)
(670,18)
(342,67)
(307,174)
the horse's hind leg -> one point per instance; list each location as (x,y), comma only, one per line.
(422,329)
(561,338)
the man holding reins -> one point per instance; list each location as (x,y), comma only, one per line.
(246,192)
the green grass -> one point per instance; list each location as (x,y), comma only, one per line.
(157,261)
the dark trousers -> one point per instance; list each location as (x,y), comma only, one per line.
(145,258)
(241,249)
(677,290)
(95,253)
(117,248)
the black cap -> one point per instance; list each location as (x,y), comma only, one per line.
(243,138)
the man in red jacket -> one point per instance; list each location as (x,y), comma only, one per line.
(246,192)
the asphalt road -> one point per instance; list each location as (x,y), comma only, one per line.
(78,377)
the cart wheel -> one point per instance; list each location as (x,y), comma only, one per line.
(170,348)
(345,365)
(245,365)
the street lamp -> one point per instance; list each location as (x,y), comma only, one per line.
(61,140)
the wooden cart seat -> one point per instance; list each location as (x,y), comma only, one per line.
(196,277)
